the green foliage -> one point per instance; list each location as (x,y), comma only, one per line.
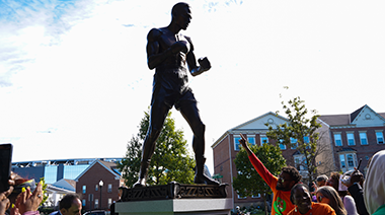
(248,182)
(170,162)
(45,197)
(299,128)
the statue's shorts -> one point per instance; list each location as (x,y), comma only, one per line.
(170,87)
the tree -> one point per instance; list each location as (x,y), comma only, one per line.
(248,182)
(170,162)
(300,132)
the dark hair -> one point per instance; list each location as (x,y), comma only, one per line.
(67,200)
(295,187)
(334,199)
(176,9)
(335,176)
(322,178)
(293,172)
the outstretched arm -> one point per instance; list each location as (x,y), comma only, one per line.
(242,141)
(269,178)
(204,63)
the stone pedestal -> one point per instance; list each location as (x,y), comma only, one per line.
(218,206)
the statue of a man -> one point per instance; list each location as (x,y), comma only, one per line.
(172,56)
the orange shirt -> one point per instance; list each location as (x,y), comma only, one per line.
(317,209)
(281,199)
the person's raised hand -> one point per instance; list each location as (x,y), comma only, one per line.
(4,201)
(27,201)
(356,176)
(314,186)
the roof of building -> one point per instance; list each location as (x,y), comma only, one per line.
(75,161)
(256,124)
(347,119)
(110,166)
(65,184)
(346,149)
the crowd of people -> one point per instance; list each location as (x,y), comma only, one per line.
(338,194)
(24,197)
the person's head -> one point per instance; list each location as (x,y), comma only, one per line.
(328,195)
(181,15)
(321,180)
(70,205)
(334,181)
(374,185)
(288,178)
(300,196)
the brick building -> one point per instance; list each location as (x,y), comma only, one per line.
(354,136)
(336,149)
(227,146)
(98,185)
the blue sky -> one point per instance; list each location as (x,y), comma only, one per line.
(74,80)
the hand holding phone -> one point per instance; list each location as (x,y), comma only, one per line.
(5,166)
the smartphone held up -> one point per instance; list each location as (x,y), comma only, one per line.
(5,166)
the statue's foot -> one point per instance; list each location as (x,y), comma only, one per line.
(140,183)
(203,179)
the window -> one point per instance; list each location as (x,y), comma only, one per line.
(109,202)
(96,187)
(293,142)
(83,202)
(264,139)
(306,141)
(363,139)
(348,161)
(96,203)
(256,195)
(236,143)
(380,137)
(90,197)
(337,139)
(300,162)
(350,137)
(241,197)
(84,189)
(342,161)
(109,188)
(281,145)
(251,140)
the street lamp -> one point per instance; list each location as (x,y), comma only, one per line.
(100,188)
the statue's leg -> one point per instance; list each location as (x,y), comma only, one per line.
(191,113)
(157,116)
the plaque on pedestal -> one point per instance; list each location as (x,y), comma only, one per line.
(174,190)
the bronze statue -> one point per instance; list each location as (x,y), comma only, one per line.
(168,51)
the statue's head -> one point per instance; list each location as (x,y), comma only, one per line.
(181,14)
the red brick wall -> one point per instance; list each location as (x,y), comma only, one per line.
(363,151)
(92,178)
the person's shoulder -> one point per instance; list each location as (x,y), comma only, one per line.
(55,213)
(154,33)
(348,199)
(325,207)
